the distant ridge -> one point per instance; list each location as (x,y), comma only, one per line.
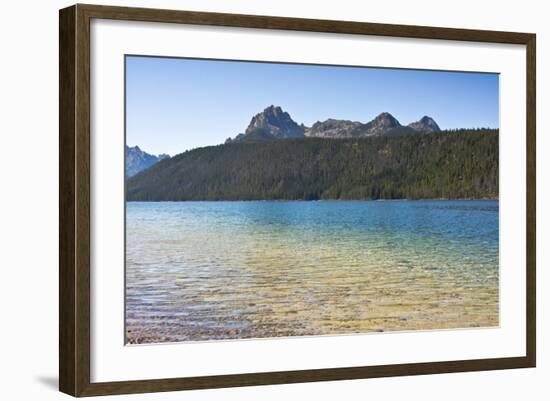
(275,123)
(138,160)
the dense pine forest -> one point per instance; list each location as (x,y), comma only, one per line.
(442,165)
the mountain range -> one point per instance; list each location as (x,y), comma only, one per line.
(138,160)
(275,123)
(276,158)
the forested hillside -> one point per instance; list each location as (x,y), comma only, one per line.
(446,164)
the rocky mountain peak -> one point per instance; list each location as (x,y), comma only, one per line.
(382,123)
(386,120)
(425,124)
(275,122)
(273,110)
(272,123)
(137,160)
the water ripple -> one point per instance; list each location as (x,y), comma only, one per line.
(229,270)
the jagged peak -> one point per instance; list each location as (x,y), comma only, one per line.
(426,124)
(273,108)
(382,123)
(385,116)
(272,111)
(271,123)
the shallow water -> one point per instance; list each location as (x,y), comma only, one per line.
(230,270)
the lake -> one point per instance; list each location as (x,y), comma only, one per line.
(200,271)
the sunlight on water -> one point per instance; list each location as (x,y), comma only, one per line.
(230,270)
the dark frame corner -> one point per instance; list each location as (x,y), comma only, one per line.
(74,199)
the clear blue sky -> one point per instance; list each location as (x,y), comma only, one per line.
(173,104)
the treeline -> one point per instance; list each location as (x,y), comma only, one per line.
(450,165)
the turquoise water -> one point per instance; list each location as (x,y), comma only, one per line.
(230,270)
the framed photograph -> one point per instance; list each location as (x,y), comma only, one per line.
(250,200)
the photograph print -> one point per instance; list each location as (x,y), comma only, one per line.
(268,200)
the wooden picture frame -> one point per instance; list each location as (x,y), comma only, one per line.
(74,200)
